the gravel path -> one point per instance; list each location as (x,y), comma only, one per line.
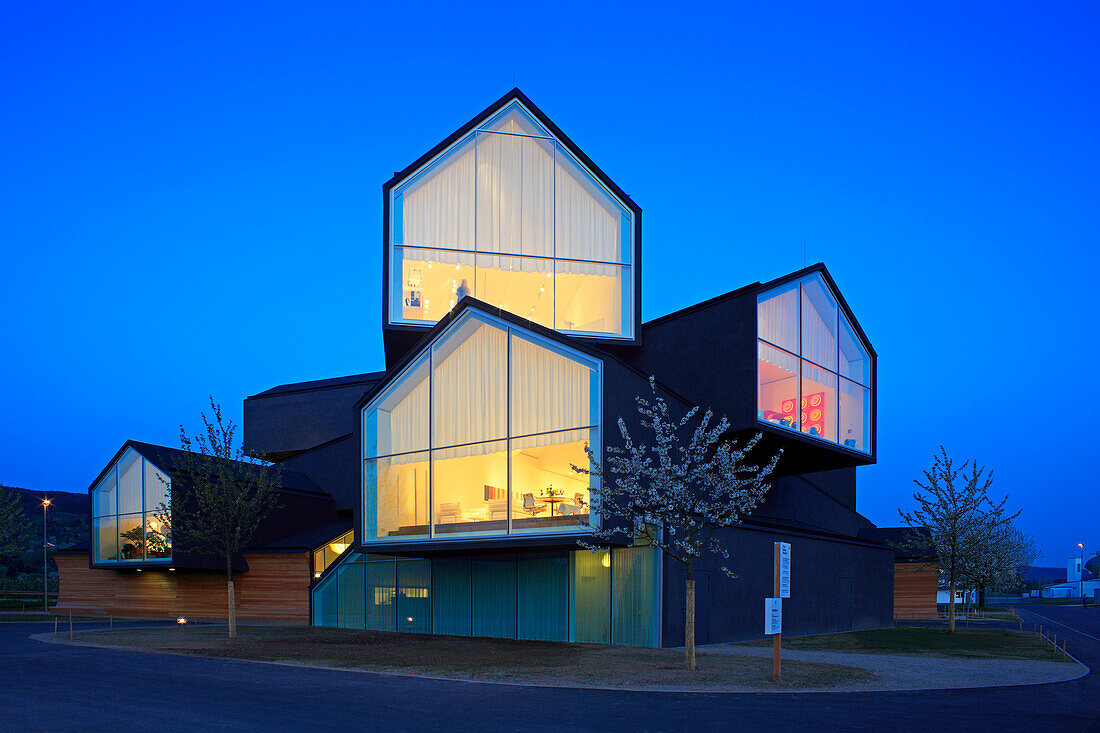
(901,672)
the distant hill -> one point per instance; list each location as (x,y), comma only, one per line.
(66,526)
(60,501)
(1036,574)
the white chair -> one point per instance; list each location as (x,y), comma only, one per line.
(452,509)
(531,506)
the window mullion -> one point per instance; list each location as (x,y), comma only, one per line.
(431,454)
(508,431)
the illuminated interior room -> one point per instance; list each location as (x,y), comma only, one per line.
(482,434)
(507,214)
(813,370)
(130,513)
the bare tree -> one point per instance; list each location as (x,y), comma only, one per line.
(677,493)
(962,521)
(228,495)
(15,529)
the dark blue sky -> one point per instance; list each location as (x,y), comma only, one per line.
(190,203)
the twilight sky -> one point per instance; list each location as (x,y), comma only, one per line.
(190,203)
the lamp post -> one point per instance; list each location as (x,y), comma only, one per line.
(45,576)
(1081,574)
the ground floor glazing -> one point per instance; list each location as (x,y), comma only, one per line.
(610,596)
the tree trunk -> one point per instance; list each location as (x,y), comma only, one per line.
(981,597)
(689,620)
(951,608)
(232,599)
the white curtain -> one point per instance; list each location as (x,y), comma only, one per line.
(406,422)
(777,319)
(438,208)
(515,194)
(469,378)
(819,315)
(549,391)
(587,223)
(523,193)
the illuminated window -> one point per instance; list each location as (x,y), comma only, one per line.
(329,552)
(509,216)
(510,415)
(131,512)
(813,369)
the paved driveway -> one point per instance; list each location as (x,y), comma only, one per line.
(46,687)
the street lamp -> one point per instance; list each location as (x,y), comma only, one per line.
(45,576)
(1081,573)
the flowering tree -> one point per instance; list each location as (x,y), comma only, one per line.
(676,493)
(962,521)
(1000,559)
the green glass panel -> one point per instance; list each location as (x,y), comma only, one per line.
(381,595)
(634,618)
(414,603)
(324,602)
(451,596)
(542,596)
(494,596)
(349,584)
(590,592)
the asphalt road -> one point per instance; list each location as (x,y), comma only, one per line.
(47,687)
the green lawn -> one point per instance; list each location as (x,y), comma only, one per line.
(928,641)
(503,660)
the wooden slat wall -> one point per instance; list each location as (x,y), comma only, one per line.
(915,586)
(276,586)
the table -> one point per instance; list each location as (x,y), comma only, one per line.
(552,500)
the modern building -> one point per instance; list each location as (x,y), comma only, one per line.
(511,318)
(130,567)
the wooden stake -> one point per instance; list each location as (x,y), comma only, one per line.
(1063,650)
(777,642)
(70,625)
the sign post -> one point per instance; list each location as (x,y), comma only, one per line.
(773,607)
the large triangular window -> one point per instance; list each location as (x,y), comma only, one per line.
(813,369)
(509,215)
(479,435)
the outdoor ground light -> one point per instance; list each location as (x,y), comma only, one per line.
(181,620)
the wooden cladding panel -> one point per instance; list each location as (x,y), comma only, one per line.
(915,586)
(276,586)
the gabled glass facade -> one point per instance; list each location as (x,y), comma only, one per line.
(813,370)
(479,436)
(130,522)
(508,215)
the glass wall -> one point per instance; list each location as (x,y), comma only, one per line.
(509,216)
(610,596)
(130,512)
(482,432)
(813,370)
(330,552)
